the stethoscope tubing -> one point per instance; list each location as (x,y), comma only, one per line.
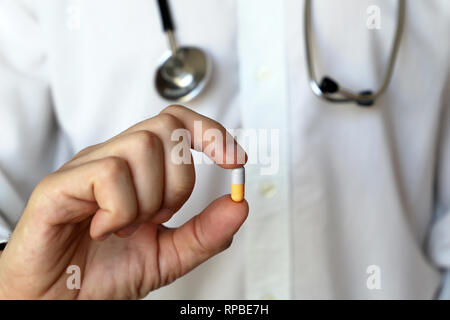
(345,95)
(184,71)
(329,90)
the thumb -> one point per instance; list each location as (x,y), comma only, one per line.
(202,237)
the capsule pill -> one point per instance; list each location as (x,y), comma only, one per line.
(237,184)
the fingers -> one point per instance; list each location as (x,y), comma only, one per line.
(207,136)
(200,238)
(144,153)
(179,176)
(103,187)
(162,184)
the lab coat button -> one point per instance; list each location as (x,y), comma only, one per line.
(263,73)
(269,297)
(268,190)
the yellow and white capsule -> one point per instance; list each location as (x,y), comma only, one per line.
(237,184)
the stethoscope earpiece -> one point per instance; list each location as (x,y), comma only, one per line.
(367,102)
(328,85)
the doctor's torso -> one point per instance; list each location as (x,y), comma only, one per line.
(354,186)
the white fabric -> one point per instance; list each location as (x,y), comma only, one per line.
(356,187)
(10,203)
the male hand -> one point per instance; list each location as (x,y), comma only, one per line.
(102,211)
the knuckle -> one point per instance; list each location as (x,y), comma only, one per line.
(169,122)
(173,108)
(45,183)
(113,167)
(201,247)
(43,198)
(145,141)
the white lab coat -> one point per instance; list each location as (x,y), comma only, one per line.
(356,187)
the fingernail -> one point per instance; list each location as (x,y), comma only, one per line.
(127,231)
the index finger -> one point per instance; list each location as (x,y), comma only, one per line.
(207,136)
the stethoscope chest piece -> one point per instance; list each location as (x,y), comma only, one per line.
(183,71)
(182,76)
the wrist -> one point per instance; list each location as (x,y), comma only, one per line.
(3,290)
(2,287)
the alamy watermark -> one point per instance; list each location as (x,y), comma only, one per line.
(374,279)
(73,16)
(373,21)
(73,282)
(262,145)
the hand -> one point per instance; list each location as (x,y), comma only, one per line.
(103,210)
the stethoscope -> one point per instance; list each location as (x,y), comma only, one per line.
(329,89)
(185,71)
